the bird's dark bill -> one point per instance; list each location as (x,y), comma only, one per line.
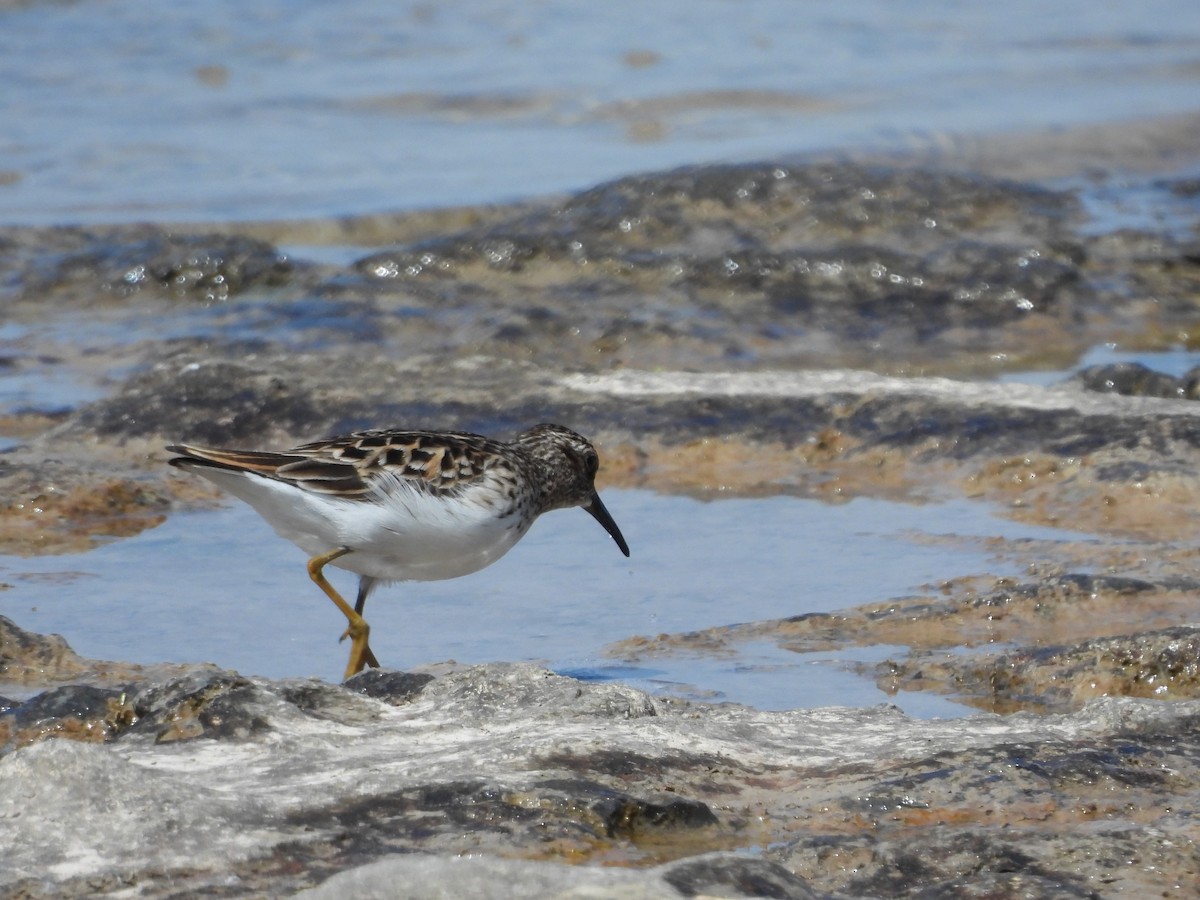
(600,514)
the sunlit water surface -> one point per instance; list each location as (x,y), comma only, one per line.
(215,109)
(219,586)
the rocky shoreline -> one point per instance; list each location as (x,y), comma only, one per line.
(207,782)
(847,324)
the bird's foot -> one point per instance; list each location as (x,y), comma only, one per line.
(360,652)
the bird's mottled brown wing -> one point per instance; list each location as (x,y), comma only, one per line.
(346,466)
(329,478)
(263,462)
(437,461)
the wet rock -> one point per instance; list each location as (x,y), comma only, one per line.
(233,402)
(1068,640)
(58,505)
(864,293)
(505,760)
(714,875)
(935,829)
(483,877)
(947,864)
(1155,271)
(395,688)
(75,712)
(722,875)
(414,816)
(620,763)
(83,802)
(218,403)
(751,262)
(29,657)
(78,701)
(687,301)
(1050,454)
(1162,664)
(476,690)
(633,817)
(224,706)
(1060,609)
(322,701)
(208,704)
(795,264)
(432,816)
(1137,380)
(70,263)
(821,203)
(197,702)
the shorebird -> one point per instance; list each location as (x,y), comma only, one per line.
(407,505)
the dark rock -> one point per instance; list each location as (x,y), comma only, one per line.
(938,864)
(630,817)
(1162,664)
(863,292)
(405,819)
(396,688)
(724,875)
(748,261)
(418,817)
(79,701)
(25,655)
(218,403)
(76,712)
(1078,583)
(209,267)
(623,763)
(1134,380)
(209,704)
(814,204)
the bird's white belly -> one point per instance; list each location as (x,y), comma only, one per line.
(431,540)
(403,535)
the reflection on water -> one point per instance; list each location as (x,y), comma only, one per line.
(219,586)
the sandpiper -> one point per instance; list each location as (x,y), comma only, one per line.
(407,505)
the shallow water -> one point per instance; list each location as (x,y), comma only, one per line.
(219,586)
(216,110)
(1175,361)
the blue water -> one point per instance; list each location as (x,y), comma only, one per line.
(220,586)
(223,109)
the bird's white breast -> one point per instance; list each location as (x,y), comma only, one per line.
(401,533)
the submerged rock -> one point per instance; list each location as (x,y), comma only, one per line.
(761,262)
(1068,639)
(71,264)
(1137,380)
(1161,664)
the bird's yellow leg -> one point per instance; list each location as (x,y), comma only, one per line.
(358,629)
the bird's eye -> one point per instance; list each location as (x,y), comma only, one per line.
(592,461)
